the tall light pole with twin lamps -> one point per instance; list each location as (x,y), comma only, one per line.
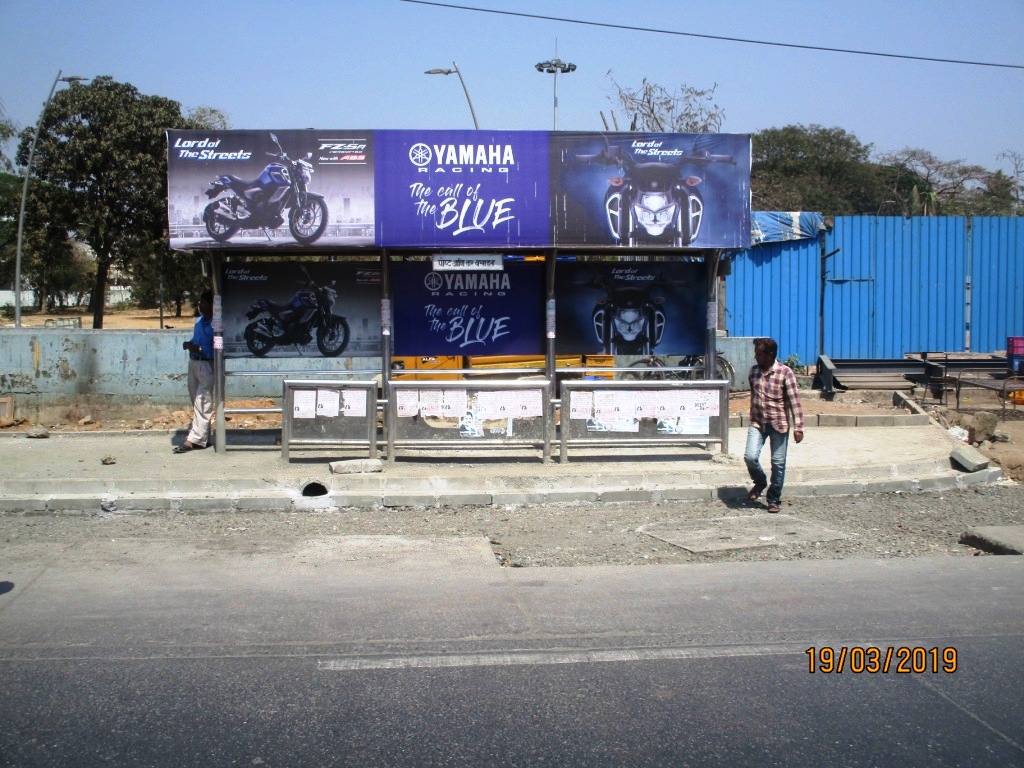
(553,67)
(455,70)
(24,193)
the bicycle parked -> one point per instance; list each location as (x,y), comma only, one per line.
(687,368)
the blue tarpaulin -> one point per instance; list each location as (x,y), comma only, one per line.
(779,226)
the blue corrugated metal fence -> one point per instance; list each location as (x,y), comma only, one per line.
(890,286)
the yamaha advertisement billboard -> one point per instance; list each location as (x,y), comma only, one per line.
(496,312)
(323,189)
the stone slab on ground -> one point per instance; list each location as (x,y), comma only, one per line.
(742,532)
(1000,539)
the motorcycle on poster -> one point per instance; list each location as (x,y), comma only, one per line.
(651,190)
(293,309)
(281,189)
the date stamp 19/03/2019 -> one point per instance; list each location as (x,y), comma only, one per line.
(871,659)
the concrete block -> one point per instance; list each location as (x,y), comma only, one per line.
(356,466)
(873,420)
(836,420)
(691,494)
(891,486)
(912,420)
(345,499)
(626,494)
(969,458)
(571,495)
(516,498)
(940,483)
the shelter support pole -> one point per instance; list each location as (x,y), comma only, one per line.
(386,343)
(219,374)
(714,264)
(550,361)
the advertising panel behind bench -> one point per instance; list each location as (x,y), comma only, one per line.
(322,189)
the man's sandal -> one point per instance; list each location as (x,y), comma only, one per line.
(186,447)
(774,508)
(756,491)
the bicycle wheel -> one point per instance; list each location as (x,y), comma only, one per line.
(652,368)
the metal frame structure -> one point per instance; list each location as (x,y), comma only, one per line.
(716,265)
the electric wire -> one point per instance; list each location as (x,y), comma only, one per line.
(723,38)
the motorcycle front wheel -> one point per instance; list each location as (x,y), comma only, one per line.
(332,339)
(220,229)
(257,343)
(308,223)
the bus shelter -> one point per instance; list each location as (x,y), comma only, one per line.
(502,288)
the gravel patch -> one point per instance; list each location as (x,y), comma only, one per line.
(890,525)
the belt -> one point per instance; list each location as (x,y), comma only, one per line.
(196,357)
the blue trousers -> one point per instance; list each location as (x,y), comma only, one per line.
(779,441)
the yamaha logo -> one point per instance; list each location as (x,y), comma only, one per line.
(433,281)
(419,154)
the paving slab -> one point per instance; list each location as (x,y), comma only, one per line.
(999,539)
(722,534)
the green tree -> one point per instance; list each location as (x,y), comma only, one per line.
(7,132)
(813,168)
(173,277)
(922,184)
(101,164)
(10,198)
(654,108)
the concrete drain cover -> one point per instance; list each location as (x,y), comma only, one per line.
(722,534)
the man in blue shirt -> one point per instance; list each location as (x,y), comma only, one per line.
(200,376)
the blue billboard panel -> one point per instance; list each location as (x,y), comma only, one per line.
(481,312)
(630,308)
(642,190)
(459,189)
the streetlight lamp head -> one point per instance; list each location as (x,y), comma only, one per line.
(73,79)
(440,72)
(555,66)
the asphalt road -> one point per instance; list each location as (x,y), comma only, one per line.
(364,653)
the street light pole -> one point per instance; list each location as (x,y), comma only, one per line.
(465,90)
(24,194)
(553,67)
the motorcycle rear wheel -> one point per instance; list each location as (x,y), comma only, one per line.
(219,228)
(332,340)
(258,344)
(308,223)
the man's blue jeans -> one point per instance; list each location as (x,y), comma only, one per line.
(779,441)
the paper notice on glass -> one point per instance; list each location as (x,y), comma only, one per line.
(454,403)
(612,405)
(685,425)
(407,402)
(701,402)
(670,403)
(581,405)
(490,405)
(431,401)
(529,403)
(327,402)
(304,404)
(355,403)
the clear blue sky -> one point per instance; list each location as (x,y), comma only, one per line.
(360,63)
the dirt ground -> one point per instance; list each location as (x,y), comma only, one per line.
(129,319)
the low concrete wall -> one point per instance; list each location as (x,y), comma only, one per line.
(64,374)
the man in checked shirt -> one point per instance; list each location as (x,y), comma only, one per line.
(774,407)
